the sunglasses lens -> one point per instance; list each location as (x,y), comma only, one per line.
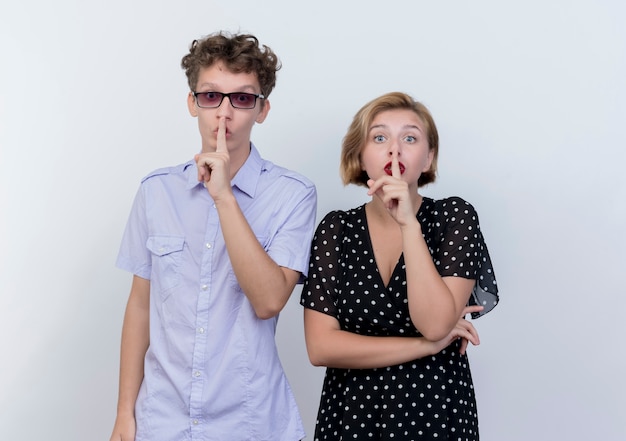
(239,100)
(242,100)
(209,99)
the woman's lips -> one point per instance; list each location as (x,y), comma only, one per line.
(388,168)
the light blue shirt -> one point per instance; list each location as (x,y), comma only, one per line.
(212,370)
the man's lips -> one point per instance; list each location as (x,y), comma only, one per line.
(388,168)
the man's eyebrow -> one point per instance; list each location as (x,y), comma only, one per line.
(215,87)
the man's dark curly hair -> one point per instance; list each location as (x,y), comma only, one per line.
(239,53)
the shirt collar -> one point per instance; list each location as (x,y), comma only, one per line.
(246,178)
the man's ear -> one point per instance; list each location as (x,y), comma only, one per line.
(191,105)
(264,111)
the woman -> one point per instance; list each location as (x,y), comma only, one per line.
(389,285)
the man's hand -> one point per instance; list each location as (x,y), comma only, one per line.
(124,430)
(214,167)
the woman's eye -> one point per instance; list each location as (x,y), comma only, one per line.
(379,138)
(410,138)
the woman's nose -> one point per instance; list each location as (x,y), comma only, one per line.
(394,149)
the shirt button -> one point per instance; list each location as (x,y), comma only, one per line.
(208,245)
(196,374)
(195,422)
(201,330)
(204,287)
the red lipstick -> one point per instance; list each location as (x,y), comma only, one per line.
(388,168)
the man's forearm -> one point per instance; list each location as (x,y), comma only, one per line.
(267,285)
(135,341)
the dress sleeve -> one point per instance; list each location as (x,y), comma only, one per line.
(320,287)
(463,253)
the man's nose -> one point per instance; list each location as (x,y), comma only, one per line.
(225,108)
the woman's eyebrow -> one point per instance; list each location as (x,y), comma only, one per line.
(378,126)
(412,126)
(407,126)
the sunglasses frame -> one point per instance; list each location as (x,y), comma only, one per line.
(224,95)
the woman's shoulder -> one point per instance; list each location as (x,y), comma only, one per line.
(337,219)
(450,201)
(343,215)
(452,206)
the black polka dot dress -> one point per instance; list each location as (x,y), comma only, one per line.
(425,399)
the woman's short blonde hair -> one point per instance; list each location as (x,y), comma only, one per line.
(356,137)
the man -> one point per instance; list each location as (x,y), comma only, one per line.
(216,246)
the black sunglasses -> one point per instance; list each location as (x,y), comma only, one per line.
(239,100)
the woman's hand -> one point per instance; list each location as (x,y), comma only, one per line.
(394,194)
(463,330)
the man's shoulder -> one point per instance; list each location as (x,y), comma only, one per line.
(166,171)
(278,171)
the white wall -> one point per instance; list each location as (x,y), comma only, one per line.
(530,101)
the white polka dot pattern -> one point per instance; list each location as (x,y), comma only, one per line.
(426,399)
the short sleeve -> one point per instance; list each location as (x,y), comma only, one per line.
(320,287)
(296,221)
(463,252)
(133,255)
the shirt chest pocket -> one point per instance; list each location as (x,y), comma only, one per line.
(166,260)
